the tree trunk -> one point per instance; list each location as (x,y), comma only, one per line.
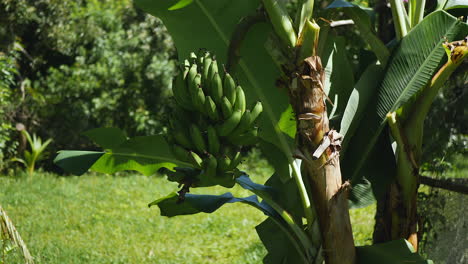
(319,148)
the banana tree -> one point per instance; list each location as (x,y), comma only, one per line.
(299,71)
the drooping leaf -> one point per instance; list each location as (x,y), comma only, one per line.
(413,63)
(106,138)
(279,252)
(282,197)
(143,154)
(366,28)
(209,25)
(393,252)
(196,203)
(77,162)
(339,79)
(245,182)
(363,93)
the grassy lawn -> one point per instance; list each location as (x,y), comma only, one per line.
(105,219)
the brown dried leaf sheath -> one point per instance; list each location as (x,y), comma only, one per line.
(329,194)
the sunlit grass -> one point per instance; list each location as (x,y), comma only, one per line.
(105,219)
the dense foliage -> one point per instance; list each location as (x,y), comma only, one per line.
(84,64)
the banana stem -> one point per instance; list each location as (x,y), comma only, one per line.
(308,211)
(281,22)
(400,18)
(416,11)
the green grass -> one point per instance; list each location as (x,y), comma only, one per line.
(105,219)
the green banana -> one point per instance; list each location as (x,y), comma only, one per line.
(226,107)
(235,161)
(180,153)
(194,85)
(244,124)
(210,167)
(181,139)
(206,68)
(230,124)
(198,100)
(229,86)
(191,74)
(186,68)
(240,99)
(197,138)
(256,111)
(223,163)
(216,87)
(213,141)
(180,116)
(196,161)
(210,109)
(193,57)
(201,57)
(179,90)
(179,134)
(213,70)
(245,139)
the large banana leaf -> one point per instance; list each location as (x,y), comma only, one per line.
(143,154)
(208,24)
(411,67)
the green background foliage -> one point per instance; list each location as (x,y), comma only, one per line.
(87,64)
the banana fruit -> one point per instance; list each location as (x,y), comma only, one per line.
(210,123)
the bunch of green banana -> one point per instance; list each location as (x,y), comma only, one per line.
(209,123)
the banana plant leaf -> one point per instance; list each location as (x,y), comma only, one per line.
(411,67)
(363,22)
(278,251)
(143,154)
(200,203)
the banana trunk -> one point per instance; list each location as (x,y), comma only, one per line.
(319,147)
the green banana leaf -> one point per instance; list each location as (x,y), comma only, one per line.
(279,252)
(77,162)
(411,67)
(365,26)
(143,154)
(200,203)
(393,252)
(209,25)
(339,78)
